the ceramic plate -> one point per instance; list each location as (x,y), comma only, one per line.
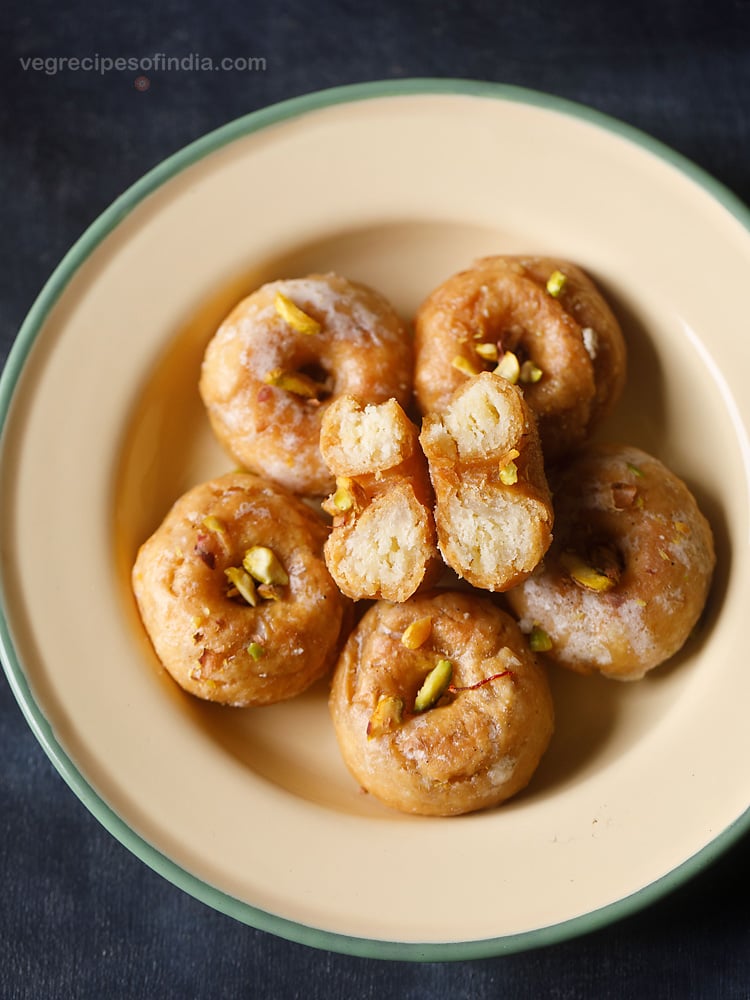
(396,184)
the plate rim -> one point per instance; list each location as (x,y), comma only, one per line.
(35,717)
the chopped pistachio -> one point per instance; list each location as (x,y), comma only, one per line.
(343,498)
(294,316)
(509,368)
(487,351)
(682,526)
(509,474)
(243,583)
(508,467)
(530,372)
(539,640)
(584,575)
(635,470)
(213,523)
(256,650)
(263,564)
(417,633)
(434,686)
(294,382)
(349,495)
(462,364)
(556,283)
(389,713)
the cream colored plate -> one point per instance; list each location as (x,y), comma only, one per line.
(397,185)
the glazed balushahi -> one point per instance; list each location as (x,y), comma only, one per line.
(283,355)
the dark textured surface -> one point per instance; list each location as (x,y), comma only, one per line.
(80,917)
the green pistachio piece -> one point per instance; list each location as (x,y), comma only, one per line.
(294,382)
(539,640)
(263,564)
(417,633)
(487,351)
(509,474)
(509,368)
(584,575)
(556,283)
(462,364)
(243,583)
(388,714)
(212,523)
(296,318)
(434,686)
(530,373)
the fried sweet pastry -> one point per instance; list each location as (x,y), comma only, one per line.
(235,595)
(628,573)
(544,322)
(283,355)
(438,705)
(493,507)
(383,542)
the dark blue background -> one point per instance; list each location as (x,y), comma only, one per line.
(79,916)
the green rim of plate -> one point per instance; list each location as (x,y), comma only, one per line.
(118,827)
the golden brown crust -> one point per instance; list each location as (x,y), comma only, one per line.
(202,635)
(622,513)
(493,508)
(382,544)
(476,747)
(573,338)
(361,347)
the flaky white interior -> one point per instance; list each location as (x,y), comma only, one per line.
(493,540)
(485,419)
(372,438)
(387,547)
